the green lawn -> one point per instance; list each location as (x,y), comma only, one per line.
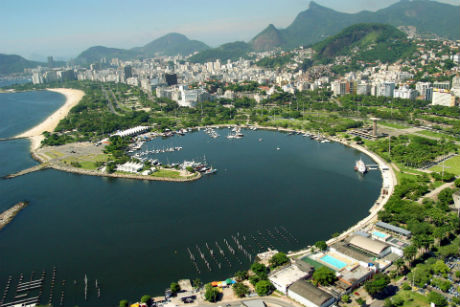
(451,166)
(162,173)
(87,162)
(437,135)
(413,299)
(393,125)
(312,262)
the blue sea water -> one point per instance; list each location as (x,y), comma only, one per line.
(134,237)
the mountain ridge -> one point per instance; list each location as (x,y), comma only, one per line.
(170,44)
(319,22)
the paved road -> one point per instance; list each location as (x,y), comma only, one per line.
(109,101)
(267,300)
(437,191)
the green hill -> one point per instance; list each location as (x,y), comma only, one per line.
(95,54)
(10,64)
(170,44)
(318,22)
(366,42)
(230,51)
(271,36)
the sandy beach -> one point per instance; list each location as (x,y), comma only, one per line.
(35,134)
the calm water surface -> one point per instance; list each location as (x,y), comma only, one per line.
(133,236)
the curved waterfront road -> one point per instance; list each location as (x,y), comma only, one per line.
(271,301)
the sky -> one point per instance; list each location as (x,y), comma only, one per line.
(63,28)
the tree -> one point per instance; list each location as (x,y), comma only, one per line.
(377,284)
(254,279)
(399,263)
(241,275)
(197,283)
(345,298)
(278,260)
(264,287)
(240,289)
(259,269)
(146,299)
(321,245)
(410,252)
(360,301)
(174,287)
(438,299)
(398,301)
(440,267)
(124,303)
(324,276)
(211,294)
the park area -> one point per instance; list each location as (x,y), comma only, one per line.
(451,165)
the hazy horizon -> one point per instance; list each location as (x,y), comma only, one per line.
(63,30)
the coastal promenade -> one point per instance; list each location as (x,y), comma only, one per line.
(378,205)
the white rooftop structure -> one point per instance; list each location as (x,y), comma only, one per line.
(286,276)
(130,167)
(131,131)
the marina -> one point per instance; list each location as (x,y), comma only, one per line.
(133,226)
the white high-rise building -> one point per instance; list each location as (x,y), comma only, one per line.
(443,98)
(405,93)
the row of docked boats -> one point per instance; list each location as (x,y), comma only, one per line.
(157,151)
(211,132)
(200,167)
(235,133)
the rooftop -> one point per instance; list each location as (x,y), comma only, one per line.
(373,246)
(287,275)
(310,292)
(393,228)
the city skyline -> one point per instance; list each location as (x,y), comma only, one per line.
(63,30)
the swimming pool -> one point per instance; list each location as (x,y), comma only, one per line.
(379,234)
(334,262)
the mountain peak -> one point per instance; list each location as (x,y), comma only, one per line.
(267,39)
(313,5)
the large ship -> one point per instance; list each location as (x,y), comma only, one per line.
(360,167)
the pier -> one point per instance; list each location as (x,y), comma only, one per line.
(32,169)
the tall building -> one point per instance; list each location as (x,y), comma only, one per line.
(128,71)
(405,93)
(50,62)
(386,89)
(445,85)
(422,88)
(171,79)
(443,98)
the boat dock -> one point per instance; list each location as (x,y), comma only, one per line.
(239,249)
(32,169)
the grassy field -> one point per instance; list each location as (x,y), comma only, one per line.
(87,162)
(451,166)
(413,299)
(53,154)
(393,125)
(437,135)
(163,173)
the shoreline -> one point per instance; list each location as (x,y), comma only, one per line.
(35,134)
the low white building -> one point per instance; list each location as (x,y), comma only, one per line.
(286,276)
(130,167)
(131,131)
(309,295)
